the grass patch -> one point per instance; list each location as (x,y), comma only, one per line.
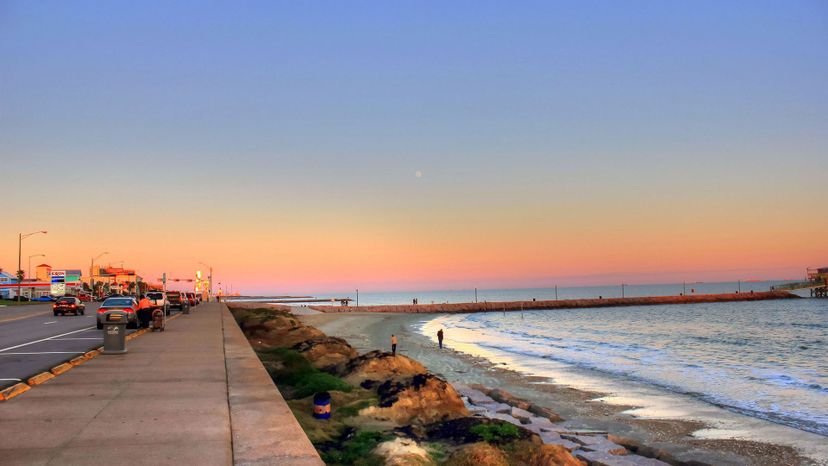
(9,302)
(289,369)
(354,408)
(356,451)
(496,432)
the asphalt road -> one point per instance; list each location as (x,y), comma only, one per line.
(33,339)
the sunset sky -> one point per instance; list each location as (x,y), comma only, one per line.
(323,146)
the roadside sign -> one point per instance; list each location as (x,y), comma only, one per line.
(73,276)
(58,283)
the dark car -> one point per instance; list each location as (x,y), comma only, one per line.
(122,303)
(68,304)
(177,300)
(191,299)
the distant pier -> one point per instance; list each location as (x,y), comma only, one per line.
(512,306)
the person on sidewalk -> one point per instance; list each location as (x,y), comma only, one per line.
(393,345)
(144,311)
(440,338)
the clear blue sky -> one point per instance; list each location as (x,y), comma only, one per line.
(332,107)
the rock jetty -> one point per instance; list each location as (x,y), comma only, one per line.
(511,306)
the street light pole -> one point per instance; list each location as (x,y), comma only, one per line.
(29,270)
(92,272)
(20,238)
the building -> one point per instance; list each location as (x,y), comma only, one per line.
(6,279)
(115,279)
(66,282)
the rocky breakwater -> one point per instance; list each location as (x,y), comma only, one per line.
(512,306)
(389,410)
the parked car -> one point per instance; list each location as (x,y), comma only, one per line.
(178,300)
(68,304)
(126,304)
(85,298)
(159,300)
(191,299)
(200,297)
(22,299)
(44,299)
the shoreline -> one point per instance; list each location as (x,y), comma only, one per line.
(512,306)
(582,409)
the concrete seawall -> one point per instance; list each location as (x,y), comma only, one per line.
(264,429)
(561,304)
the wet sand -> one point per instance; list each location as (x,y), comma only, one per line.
(370,331)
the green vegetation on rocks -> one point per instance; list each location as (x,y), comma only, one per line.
(495,433)
(356,450)
(293,372)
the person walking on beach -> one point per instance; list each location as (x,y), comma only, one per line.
(440,338)
(393,345)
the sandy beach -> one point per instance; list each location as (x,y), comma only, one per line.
(581,409)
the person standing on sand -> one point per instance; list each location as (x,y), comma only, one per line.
(440,338)
(393,345)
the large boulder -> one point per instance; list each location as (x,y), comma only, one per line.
(403,452)
(553,455)
(502,396)
(423,399)
(478,454)
(277,331)
(378,366)
(329,354)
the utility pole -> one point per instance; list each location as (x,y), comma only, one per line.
(622,290)
(556,292)
(357,291)
(684,287)
(475,295)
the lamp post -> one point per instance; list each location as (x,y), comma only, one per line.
(92,272)
(29,270)
(210,278)
(20,238)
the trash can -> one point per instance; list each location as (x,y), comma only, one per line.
(114,332)
(322,405)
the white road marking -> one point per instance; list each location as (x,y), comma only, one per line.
(47,323)
(45,339)
(13,380)
(41,352)
(76,338)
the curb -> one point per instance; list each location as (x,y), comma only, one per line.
(13,391)
(61,368)
(23,387)
(40,378)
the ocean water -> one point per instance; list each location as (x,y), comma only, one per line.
(765,360)
(368,298)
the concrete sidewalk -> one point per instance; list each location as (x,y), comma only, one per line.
(164,402)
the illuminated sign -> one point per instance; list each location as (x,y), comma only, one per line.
(58,283)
